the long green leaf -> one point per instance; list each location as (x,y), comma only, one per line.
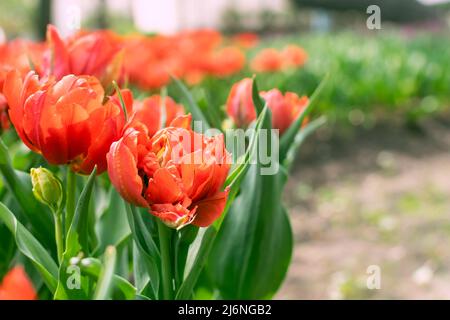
(19,184)
(146,246)
(77,242)
(31,248)
(191,106)
(93,268)
(300,138)
(289,136)
(105,279)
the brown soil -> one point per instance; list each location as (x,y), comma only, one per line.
(380,197)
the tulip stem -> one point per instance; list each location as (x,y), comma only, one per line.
(70,198)
(59,236)
(166,261)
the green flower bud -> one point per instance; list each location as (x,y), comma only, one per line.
(47,188)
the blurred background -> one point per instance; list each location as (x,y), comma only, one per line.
(372,187)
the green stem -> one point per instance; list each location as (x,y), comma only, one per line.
(166,261)
(59,236)
(70,198)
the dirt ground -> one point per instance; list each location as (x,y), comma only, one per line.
(380,197)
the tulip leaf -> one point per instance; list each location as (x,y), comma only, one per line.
(289,136)
(200,249)
(258,102)
(105,279)
(113,224)
(300,138)
(7,249)
(93,268)
(78,233)
(253,249)
(31,248)
(72,284)
(191,106)
(146,246)
(19,184)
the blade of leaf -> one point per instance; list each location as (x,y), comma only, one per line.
(19,184)
(288,137)
(146,246)
(105,279)
(258,102)
(31,248)
(93,267)
(191,106)
(300,138)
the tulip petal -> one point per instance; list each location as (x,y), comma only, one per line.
(122,168)
(210,209)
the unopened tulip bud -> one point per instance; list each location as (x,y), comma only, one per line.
(47,188)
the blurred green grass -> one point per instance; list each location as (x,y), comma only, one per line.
(373,76)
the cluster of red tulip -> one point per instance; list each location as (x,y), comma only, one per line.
(60,99)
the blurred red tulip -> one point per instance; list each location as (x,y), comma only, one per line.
(294,56)
(226,61)
(86,53)
(240,103)
(285,108)
(155,112)
(267,60)
(17,286)
(178,174)
(246,39)
(66,120)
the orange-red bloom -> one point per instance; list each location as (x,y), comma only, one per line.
(240,103)
(178,174)
(246,39)
(267,60)
(86,53)
(66,121)
(294,56)
(155,112)
(272,60)
(17,286)
(285,108)
(190,55)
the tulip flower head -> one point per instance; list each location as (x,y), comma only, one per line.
(17,286)
(66,121)
(87,53)
(240,103)
(177,174)
(267,60)
(294,56)
(155,112)
(285,108)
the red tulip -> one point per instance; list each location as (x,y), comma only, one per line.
(66,121)
(294,56)
(240,104)
(87,53)
(285,109)
(267,60)
(152,111)
(178,174)
(246,39)
(17,286)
